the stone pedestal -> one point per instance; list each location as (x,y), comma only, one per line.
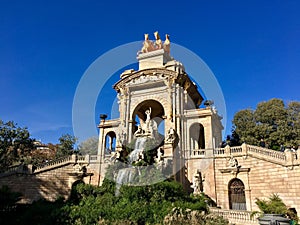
(168,150)
(154,59)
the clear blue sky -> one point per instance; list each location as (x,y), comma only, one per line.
(252,47)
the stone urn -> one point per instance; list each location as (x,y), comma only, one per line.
(270,219)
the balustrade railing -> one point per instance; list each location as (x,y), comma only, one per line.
(53,163)
(236,149)
(284,158)
(266,152)
(237,217)
(219,151)
(13,169)
(81,158)
(198,152)
(94,158)
(287,158)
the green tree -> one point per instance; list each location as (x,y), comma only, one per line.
(89,146)
(66,145)
(244,126)
(272,121)
(15,143)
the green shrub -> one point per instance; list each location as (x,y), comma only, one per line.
(274,205)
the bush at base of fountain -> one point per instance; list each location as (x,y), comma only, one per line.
(161,203)
(149,204)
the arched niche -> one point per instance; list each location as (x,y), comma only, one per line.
(157,114)
(110,142)
(197,136)
(74,196)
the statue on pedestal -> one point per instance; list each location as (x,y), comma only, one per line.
(147,127)
(149,46)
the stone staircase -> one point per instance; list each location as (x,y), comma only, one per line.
(53,164)
(286,158)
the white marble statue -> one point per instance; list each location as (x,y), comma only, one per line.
(196,184)
(167,44)
(147,127)
(171,136)
(159,155)
(147,45)
(158,42)
(138,132)
(233,162)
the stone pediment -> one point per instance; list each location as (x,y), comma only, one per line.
(143,76)
(154,75)
(234,170)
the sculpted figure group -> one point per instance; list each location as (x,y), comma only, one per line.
(147,127)
(149,45)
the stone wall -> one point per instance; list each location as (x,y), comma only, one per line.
(48,184)
(263,179)
(263,172)
(51,180)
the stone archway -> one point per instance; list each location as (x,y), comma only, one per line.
(74,195)
(157,114)
(110,142)
(236,194)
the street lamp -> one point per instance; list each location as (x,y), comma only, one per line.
(103,117)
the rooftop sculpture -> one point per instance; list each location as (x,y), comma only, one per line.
(149,46)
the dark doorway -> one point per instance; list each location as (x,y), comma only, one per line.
(237,198)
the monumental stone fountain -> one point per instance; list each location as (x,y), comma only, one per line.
(139,166)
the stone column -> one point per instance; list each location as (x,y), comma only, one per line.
(227,150)
(244,148)
(110,143)
(289,157)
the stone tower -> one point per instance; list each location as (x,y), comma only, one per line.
(162,85)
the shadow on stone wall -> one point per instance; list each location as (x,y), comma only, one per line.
(48,185)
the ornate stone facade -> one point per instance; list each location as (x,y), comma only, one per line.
(232,176)
(162,84)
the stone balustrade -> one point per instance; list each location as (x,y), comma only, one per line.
(94,158)
(236,149)
(12,170)
(287,158)
(236,217)
(219,151)
(198,152)
(254,150)
(52,163)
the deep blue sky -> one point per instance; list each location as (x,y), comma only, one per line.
(252,47)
